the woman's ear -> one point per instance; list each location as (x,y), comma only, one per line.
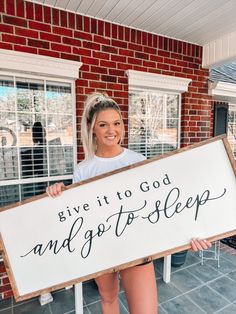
(123,132)
(93,132)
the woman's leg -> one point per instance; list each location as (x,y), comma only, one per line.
(140,288)
(108,286)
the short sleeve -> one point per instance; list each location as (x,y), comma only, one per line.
(76,175)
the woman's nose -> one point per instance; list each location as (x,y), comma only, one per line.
(111,128)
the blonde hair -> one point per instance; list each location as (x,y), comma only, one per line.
(94,104)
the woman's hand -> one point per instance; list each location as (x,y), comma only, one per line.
(199,245)
(55,189)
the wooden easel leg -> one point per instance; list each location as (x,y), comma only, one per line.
(167,268)
(78,298)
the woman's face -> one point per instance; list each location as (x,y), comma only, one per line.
(108,128)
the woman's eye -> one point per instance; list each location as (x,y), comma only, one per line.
(117,123)
(102,125)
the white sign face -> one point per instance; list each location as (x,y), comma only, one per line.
(157,206)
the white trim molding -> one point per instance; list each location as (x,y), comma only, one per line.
(222,91)
(37,64)
(142,81)
(219,51)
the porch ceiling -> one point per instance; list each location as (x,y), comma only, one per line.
(196,21)
(208,23)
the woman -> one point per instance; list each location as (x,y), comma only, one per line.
(102,131)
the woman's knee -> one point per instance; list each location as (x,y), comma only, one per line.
(109,295)
(108,287)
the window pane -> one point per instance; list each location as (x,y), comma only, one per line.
(9,194)
(33,162)
(30,95)
(8,129)
(8,143)
(7,93)
(32,189)
(172,106)
(170,131)
(59,129)
(26,124)
(68,154)
(59,97)
(8,163)
(153,122)
(56,161)
(231,134)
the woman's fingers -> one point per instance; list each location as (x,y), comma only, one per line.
(59,188)
(208,244)
(55,189)
(198,245)
(195,245)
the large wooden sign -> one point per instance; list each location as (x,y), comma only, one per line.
(120,219)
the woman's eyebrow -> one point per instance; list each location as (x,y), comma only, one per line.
(108,121)
(101,121)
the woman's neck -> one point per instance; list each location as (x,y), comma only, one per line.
(109,151)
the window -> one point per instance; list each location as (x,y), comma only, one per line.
(232,127)
(154,120)
(154,112)
(225,94)
(37,123)
(36,135)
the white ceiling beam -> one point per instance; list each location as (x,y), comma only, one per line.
(219,51)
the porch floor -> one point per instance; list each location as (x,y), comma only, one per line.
(194,288)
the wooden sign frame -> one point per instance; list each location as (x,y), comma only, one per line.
(8,262)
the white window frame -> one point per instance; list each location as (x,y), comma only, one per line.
(151,82)
(234,141)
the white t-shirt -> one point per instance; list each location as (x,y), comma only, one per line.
(95,166)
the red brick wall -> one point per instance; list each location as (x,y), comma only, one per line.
(107,51)
(5,287)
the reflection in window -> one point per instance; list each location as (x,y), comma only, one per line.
(29,189)
(231,134)
(7,93)
(153,122)
(30,95)
(36,137)
(8,162)
(9,194)
(58,97)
